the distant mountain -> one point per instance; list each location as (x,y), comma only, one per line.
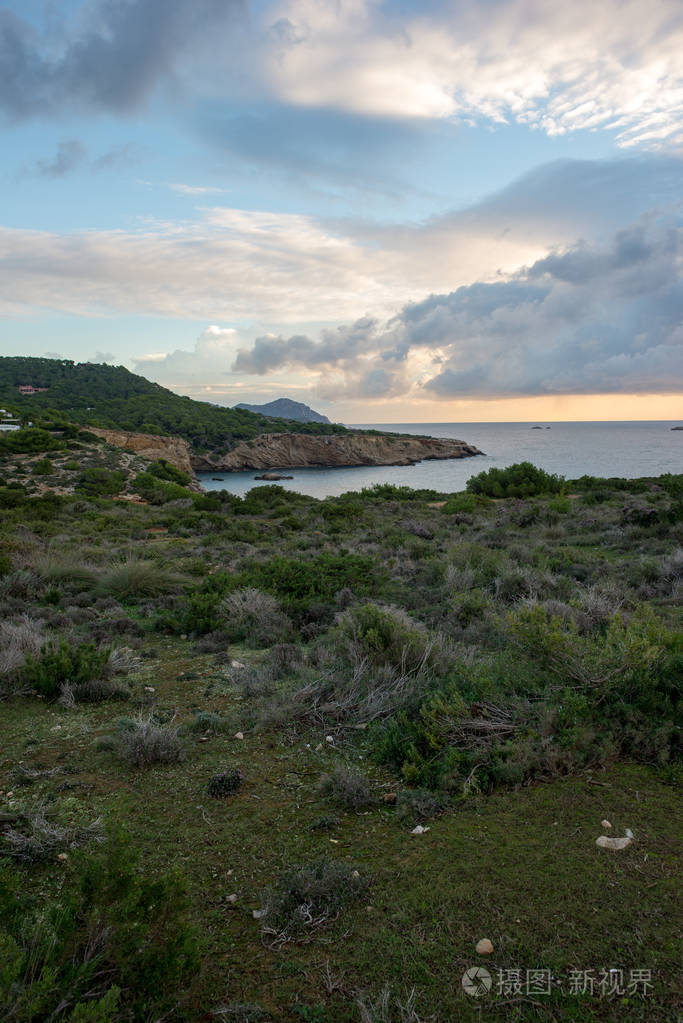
(114,399)
(285,408)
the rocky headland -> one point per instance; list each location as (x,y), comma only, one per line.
(303,451)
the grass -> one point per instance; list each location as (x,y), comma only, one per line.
(518,866)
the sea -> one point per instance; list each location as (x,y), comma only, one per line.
(626,449)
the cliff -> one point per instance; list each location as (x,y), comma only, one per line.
(174,450)
(300,451)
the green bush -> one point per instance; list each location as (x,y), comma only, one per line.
(520,480)
(157,490)
(43,467)
(28,441)
(163,470)
(386,635)
(61,665)
(118,945)
(101,482)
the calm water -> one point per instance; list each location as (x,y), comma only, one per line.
(569,449)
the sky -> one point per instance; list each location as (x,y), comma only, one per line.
(394,211)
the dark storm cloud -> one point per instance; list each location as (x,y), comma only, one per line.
(112,65)
(269,353)
(589,319)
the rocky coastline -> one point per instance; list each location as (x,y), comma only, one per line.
(303,451)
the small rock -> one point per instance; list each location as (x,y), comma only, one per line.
(329,738)
(355,875)
(419,830)
(231,898)
(62,856)
(605,824)
(236,664)
(335,841)
(239,735)
(318,747)
(257,913)
(389,797)
(150,689)
(184,635)
(615,843)
(484,947)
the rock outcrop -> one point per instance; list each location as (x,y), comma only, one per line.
(174,450)
(301,451)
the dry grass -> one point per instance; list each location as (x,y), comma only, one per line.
(142,741)
(35,837)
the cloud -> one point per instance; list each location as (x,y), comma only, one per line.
(70,155)
(586,319)
(277,269)
(111,57)
(193,190)
(557,67)
(613,66)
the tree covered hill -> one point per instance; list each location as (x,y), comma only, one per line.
(114,398)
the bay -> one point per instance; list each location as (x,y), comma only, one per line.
(627,449)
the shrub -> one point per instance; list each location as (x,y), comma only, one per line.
(414,806)
(61,665)
(137,577)
(163,470)
(300,584)
(387,635)
(27,441)
(143,741)
(225,784)
(206,722)
(158,491)
(464,503)
(43,467)
(101,482)
(347,787)
(520,480)
(114,931)
(307,898)
(255,618)
(62,568)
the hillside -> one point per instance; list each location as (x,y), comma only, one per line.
(276,760)
(111,397)
(286,408)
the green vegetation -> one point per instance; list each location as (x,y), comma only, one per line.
(361,734)
(116,946)
(520,480)
(113,398)
(57,666)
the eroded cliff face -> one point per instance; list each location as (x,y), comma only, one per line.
(174,450)
(301,451)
